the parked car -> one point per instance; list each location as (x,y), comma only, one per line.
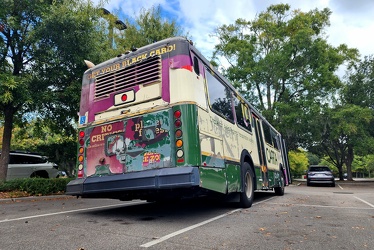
(320,175)
(27,165)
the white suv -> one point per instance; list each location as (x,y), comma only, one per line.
(26,165)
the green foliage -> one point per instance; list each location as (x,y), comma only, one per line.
(359,89)
(341,130)
(43,45)
(298,162)
(364,164)
(69,34)
(36,186)
(8,85)
(284,65)
(37,137)
(313,159)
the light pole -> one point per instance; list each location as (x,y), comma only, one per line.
(112,19)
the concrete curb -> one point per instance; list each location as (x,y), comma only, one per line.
(31,198)
(355,180)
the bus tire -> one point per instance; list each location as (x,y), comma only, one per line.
(248,186)
(280,190)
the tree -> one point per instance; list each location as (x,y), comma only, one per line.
(283,64)
(358,92)
(17,20)
(298,162)
(313,159)
(42,45)
(148,27)
(364,164)
(46,43)
(342,130)
(359,88)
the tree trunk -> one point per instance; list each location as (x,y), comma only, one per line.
(7,135)
(340,170)
(348,162)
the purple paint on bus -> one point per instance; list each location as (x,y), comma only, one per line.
(93,107)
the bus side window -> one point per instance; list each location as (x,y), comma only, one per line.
(246,117)
(242,115)
(275,139)
(220,97)
(267,133)
(196,65)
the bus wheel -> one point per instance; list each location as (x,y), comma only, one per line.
(246,196)
(280,190)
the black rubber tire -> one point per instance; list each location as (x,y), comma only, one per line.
(280,190)
(40,174)
(248,186)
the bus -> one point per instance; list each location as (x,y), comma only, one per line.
(160,122)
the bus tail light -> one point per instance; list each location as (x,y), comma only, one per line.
(178,133)
(80,171)
(177,114)
(81,154)
(178,123)
(124,97)
(179,143)
(178,136)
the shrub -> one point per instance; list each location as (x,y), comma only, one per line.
(35,186)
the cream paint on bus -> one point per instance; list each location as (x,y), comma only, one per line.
(146,93)
(211,139)
(219,138)
(187,87)
(273,157)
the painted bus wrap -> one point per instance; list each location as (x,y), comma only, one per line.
(160,122)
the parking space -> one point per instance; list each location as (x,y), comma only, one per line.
(306,217)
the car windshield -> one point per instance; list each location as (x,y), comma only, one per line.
(319,169)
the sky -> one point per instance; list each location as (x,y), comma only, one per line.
(352,21)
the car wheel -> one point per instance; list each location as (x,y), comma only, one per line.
(248,187)
(40,174)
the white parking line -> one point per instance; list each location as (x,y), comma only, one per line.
(340,187)
(364,201)
(154,242)
(65,212)
(159,240)
(321,206)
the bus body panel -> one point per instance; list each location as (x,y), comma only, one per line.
(213,178)
(190,135)
(135,185)
(187,87)
(128,145)
(233,178)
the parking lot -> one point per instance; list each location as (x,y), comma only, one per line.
(315,217)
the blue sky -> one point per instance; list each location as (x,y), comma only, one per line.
(352,21)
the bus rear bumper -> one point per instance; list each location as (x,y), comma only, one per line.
(135,184)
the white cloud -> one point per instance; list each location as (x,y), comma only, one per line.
(351,21)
